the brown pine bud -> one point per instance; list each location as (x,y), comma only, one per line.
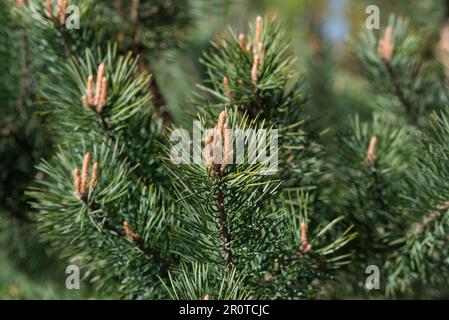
(226,87)
(77,182)
(386,46)
(221,121)
(129,233)
(48,9)
(90,86)
(255,68)
(84,175)
(94,176)
(213,143)
(88,98)
(96,98)
(370,156)
(242,41)
(103,95)
(305,245)
(227,153)
(209,137)
(98,87)
(61,8)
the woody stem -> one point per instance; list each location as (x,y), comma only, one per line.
(224,231)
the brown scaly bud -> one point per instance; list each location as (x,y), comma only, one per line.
(129,233)
(227,153)
(209,159)
(88,98)
(221,121)
(386,46)
(227,87)
(371,156)
(100,76)
(209,137)
(305,245)
(48,9)
(103,95)
(61,8)
(94,176)
(77,182)
(215,162)
(242,41)
(84,176)
(90,87)
(255,68)
(206,297)
(81,181)
(96,99)
(260,51)
(257,34)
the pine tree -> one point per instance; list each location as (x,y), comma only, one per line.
(251,199)
(40,38)
(393,167)
(112,201)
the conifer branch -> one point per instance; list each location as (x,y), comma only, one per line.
(224,231)
(408,106)
(138,242)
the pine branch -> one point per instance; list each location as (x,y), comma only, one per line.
(223,222)
(105,127)
(148,251)
(408,106)
(377,186)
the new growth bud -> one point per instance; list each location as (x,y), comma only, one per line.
(371,156)
(96,99)
(386,46)
(242,41)
(81,180)
(132,236)
(227,87)
(305,245)
(62,7)
(48,8)
(217,157)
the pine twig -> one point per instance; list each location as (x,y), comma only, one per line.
(119,232)
(224,231)
(408,106)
